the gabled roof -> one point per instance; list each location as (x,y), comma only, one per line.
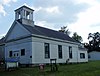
(37,30)
(47,32)
(24,7)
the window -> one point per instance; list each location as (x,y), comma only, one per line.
(10,53)
(24,12)
(70,52)
(47,50)
(17,54)
(19,15)
(60,51)
(82,55)
(14,55)
(27,15)
(22,52)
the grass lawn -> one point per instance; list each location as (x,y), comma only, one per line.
(84,69)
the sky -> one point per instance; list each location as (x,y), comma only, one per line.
(81,16)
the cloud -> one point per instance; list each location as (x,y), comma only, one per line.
(46,24)
(2,11)
(87,21)
(50,10)
(91,2)
(58,11)
(14,0)
(53,10)
(5,3)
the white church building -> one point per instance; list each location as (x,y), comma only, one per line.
(32,44)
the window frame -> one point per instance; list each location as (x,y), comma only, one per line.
(23,53)
(10,53)
(70,52)
(82,55)
(47,50)
(60,55)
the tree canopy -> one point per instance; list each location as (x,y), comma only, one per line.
(77,37)
(65,30)
(94,41)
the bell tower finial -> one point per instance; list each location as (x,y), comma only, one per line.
(24,14)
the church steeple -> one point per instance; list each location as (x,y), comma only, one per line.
(24,14)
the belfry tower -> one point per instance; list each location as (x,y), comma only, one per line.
(25,15)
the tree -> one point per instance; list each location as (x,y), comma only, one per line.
(94,41)
(65,30)
(77,37)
